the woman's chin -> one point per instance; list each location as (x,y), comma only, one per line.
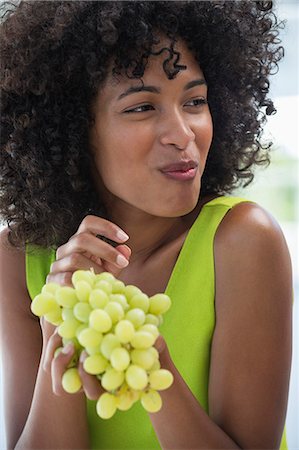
(179,210)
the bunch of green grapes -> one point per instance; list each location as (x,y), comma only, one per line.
(117,325)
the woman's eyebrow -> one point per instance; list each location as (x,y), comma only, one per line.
(134,89)
(156,90)
(193,83)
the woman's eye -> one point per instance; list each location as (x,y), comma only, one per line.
(196,102)
(139,109)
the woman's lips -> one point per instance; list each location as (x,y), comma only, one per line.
(182,170)
(181,175)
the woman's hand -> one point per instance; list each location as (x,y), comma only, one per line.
(85,250)
(57,365)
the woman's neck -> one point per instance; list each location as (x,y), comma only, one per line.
(148,233)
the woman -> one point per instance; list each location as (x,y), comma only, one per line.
(129,121)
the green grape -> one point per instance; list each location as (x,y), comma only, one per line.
(104,286)
(152,319)
(106,405)
(106,276)
(118,287)
(121,299)
(112,379)
(156,365)
(154,352)
(131,290)
(50,288)
(95,364)
(80,328)
(143,358)
(67,313)
(43,304)
(125,398)
(150,328)
(160,317)
(151,401)
(66,296)
(124,330)
(159,304)
(136,377)
(135,394)
(83,275)
(115,311)
(71,381)
(108,344)
(93,350)
(140,301)
(68,328)
(120,358)
(82,311)
(83,290)
(90,337)
(98,298)
(136,316)
(142,339)
(124,401)
(160,379)
(100,320)
(54,316)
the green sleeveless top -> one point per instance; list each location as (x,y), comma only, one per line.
(191,288)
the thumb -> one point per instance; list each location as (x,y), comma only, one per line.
(164,355)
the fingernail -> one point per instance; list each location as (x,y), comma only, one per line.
(68,348)
(82,357)
(121,261)
(122,235)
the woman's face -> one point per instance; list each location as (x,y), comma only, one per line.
(141,133)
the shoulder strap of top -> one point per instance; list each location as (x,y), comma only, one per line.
(226,201)
(38,262)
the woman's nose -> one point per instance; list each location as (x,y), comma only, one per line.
(175,130)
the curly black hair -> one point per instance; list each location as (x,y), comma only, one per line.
(55,56)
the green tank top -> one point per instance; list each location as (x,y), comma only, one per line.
(191,288)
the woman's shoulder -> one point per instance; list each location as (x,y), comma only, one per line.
(248,224)
(9,253)
(12,271)
(251,254)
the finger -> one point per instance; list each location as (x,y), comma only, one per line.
(76,261)
(91,384)
(85,243)
(64,278)
(53,343)
(59,366)
(47,328)
(125,250)
(107,267)
(97,225)
(164,355)
(122,248)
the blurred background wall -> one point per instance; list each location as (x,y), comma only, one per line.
(277,187)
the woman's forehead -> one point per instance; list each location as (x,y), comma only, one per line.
(154,70)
